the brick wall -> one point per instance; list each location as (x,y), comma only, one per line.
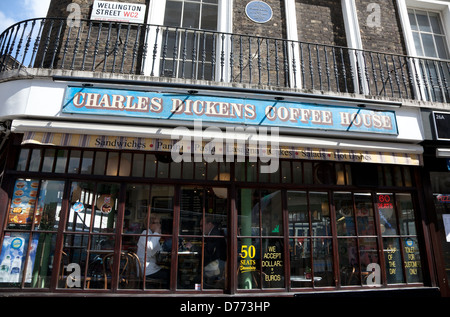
(387,37)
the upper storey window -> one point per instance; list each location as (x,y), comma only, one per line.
(199,14)
(428,34)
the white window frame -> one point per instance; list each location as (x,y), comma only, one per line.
(155,18)
(440,7)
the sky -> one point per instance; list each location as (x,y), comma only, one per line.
(12,11)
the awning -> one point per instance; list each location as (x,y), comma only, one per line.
(154,139)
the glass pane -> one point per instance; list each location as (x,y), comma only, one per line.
(100,163)
(74,162)
(300,259)
(23,158)
(364,214)
(406,214)
(248,212)
(297,205)
(412,20)
(189,264)
(88,160)
(249,263)
(49,205)
(368,254)
(161,201)
(323,262)
(74,256)
(150,165)
(112,165)
(214,227)
(191,210)
(81,199)
(125,164)
(393,261)
(209,17)
(441,46)
(348,262)
(149,248)
(173,13)
(106,203)
(13,260)
(386,211)
(422,19)
(428,45)
(320,214)
(417,43)
(191,15)
(136,208)
(47,164)
(23,203)
(138,165)
(413,265)
(435,23)
(344,214)
(271,213)
(61,159)
(39,265)
(35,160)
(273,263)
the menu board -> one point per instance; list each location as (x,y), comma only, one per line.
(23,203)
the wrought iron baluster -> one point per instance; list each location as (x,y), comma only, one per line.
(268,61)
(116,47)
(108,39)
(319,67)
(37,42)
(96,47)
(383,80)
(19,44)
(374,74)
(46,43)
(86,45)
(222,57)
(302,66)
(164,52)
(241,59)
(28,43)
(277,66)
(184,54)
(125,49)
(231,58)
(194,56)
(75,50)
(203,55)
(155,51)
(56,44)
(405,82)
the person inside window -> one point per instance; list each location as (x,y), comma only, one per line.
(214,250)
(147,248)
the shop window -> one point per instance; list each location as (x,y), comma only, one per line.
(90,234)
(261,251)
(202,248)
(29,240)
(310,244)
(402,250)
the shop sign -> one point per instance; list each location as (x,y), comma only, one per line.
(118,11)
(223,148)
(442,125)
(243,111)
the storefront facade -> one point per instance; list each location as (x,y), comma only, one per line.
(166,158)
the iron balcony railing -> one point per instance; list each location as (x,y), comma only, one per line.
(142,49)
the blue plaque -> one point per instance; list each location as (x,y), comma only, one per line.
(258,11)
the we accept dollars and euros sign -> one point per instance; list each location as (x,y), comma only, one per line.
(255,112)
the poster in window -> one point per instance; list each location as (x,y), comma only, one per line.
(23,203)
